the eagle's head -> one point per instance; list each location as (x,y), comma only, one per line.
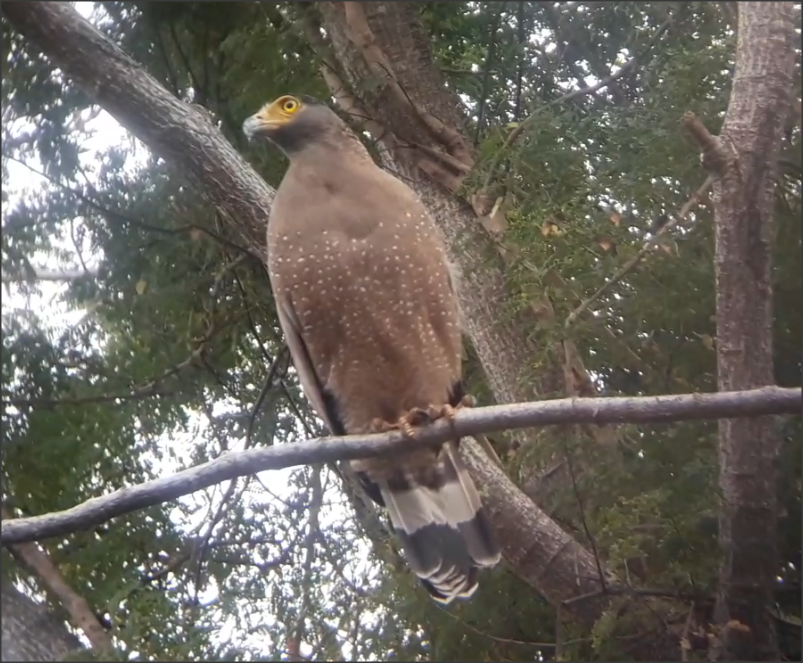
(292,122)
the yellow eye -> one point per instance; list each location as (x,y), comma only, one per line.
(289,105)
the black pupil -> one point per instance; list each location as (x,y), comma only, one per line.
(289,105)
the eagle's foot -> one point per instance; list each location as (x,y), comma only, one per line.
(417,417)
(449,412)
(404,424)
(414,417)
(467,401)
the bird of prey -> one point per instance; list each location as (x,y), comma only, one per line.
(365,300)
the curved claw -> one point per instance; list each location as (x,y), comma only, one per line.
(404,423)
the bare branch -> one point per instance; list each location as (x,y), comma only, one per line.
(649,244)
(650,409)
(48,275)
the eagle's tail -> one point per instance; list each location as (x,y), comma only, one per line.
(444,529)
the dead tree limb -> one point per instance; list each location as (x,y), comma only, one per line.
(651,409)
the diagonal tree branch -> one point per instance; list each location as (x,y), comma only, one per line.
(149,111)
(650,409)
(77,607)
(540,553)
(648,245)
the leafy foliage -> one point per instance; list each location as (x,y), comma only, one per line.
(176,333)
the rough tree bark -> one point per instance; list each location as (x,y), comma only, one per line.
(538,550)
(743,161)
(30,632)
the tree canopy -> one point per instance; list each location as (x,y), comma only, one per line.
(140,335)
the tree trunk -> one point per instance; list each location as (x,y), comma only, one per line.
(743,161)
(37,561)
(185,138)
(30,632)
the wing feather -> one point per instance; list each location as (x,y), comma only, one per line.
(311,383)
(314,389)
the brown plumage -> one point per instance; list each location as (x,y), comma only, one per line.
(365,300)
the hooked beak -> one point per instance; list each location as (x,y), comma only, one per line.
(255,126)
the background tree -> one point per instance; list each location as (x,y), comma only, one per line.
(179,343)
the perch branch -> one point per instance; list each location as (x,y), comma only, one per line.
(650,409)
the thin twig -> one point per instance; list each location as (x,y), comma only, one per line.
(146,391)
(313,529)
(486,77)
(495,638)
(273,372)
(186,63)
(115,215)
(592,542)
(684,636)
(521,28)
(171,76)
(202,543)
(648,245)
(656,409)
(574,94)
